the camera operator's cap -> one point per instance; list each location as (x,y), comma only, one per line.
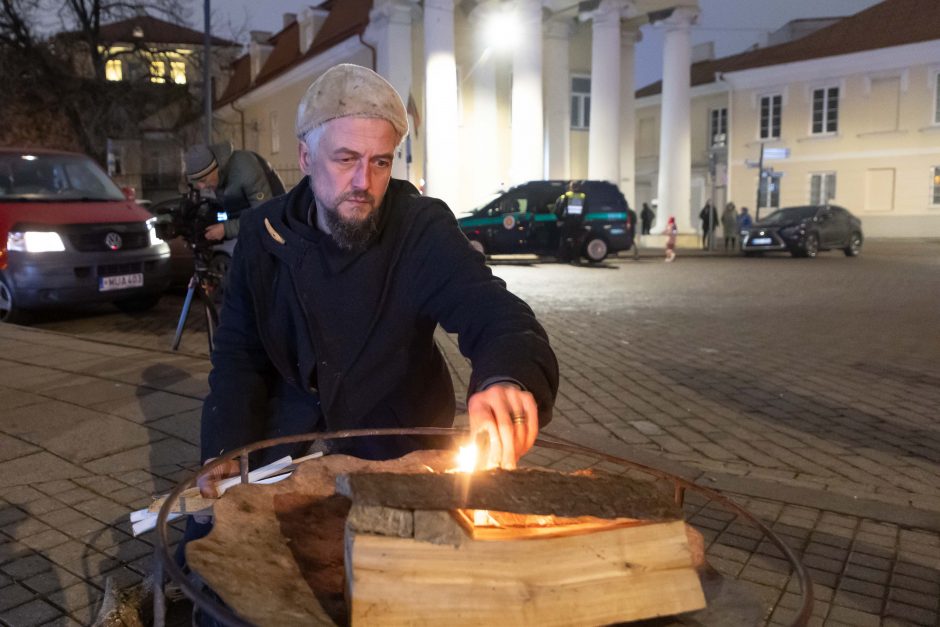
(348,90)
(200,161)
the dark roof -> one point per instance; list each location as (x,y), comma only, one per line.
(889,23)
(156,31)
(346,18)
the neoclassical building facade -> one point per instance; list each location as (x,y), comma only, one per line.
(500,91)
(504,91)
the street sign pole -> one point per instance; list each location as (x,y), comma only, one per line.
(760,179)
(206,73)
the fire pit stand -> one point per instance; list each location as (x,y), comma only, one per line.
(165,562)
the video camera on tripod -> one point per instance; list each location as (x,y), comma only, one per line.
(188,218)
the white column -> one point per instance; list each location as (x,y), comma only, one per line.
(527,127)
(440,88)
(389,31)
(604,132)
(675,144)
(558,97)
(628,39)
(485,150)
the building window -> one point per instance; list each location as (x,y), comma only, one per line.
(178,72)
(825,110)
(936,100)
(113,70)
(769,192)
(822,188)
(770,116)
(580,102)
(936,185)
(157,72)
(275,134)
(718,126)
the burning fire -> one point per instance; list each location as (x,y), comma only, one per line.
(467,458)
(468,461)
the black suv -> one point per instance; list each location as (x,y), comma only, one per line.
(531,218)
(804,231)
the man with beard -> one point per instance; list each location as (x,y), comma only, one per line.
(336,289)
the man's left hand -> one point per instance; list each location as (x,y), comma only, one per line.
(215,232)
(510,417)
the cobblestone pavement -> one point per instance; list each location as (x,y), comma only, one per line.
(807,389)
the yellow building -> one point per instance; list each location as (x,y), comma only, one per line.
(846,111)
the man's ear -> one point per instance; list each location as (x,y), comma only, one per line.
(304,157)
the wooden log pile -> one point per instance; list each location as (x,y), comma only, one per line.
(403,542)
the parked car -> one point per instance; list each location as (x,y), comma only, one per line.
(804,231)
(68,235)
(528,219)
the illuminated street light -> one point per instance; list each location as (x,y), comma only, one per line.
(501,30)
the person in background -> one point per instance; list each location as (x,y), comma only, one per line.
(709,217)
(729,227)
(239,179)
(671,232)
(744,220)
(647,216)
(569,209)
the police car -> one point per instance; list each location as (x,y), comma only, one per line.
(547,218)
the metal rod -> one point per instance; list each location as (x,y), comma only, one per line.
(159,601)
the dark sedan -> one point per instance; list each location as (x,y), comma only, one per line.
(804,231)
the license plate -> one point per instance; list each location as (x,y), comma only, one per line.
(120,282)
(761,241)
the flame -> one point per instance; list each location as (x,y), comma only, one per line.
(467,458)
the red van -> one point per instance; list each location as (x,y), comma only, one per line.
(68,235)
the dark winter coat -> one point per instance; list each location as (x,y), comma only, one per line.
(310,330)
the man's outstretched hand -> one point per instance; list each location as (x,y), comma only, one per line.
(510,417)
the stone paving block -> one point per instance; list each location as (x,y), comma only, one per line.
(855,601)
(11,448)
(26,566)
(45,539)
(28,527)
(36,612)
(10,516)
(823,550)
(36,468)
(81,526)
(75,597)
(51,580)
(859,586)
(13,596)
(854,617)
(21,494)
(103,510)
(917,585)
(917,571)
(55,487)
(918,599)
(914,615)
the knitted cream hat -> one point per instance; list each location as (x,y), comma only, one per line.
(350,90)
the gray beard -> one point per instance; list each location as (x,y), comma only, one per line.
(355,236)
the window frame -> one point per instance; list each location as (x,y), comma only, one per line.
(722,117)
(275,133)
(766,195)
(770,116)
(158,72)
(829,112)
(583,108)
(114,70)
(825,193)
(936,97)
(935,186)
(177,71)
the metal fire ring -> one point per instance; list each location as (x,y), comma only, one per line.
(165,561)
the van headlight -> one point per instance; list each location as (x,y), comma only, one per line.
(152,232)
(35,242)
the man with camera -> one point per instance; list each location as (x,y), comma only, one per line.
(336,289)
(239,179)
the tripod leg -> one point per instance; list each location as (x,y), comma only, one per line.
(212,316)
(193,284)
